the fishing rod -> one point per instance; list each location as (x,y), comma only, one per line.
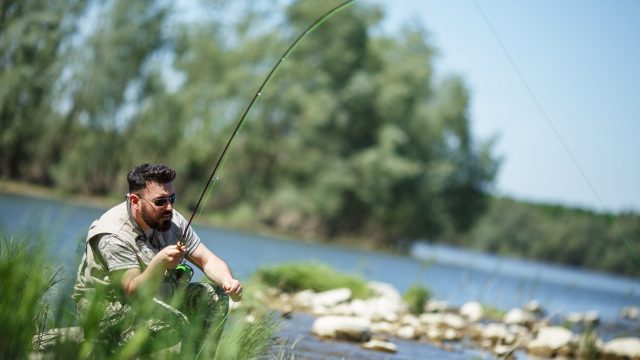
(319,21)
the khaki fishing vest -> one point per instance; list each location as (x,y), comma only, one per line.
(118,222)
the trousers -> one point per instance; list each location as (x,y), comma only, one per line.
(194,318)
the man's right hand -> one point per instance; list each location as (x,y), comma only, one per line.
(171,256)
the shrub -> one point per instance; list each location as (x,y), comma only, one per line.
(315,276)
(416,297)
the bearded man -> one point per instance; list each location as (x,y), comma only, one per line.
(134,265)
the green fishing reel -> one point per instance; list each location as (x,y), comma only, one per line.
(181,275)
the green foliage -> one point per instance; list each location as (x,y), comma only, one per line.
(22,293)
(352,137)
(562,235)
(416,298)
(315,276)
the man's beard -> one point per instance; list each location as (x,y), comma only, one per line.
(158,224)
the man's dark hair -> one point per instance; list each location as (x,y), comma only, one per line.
(140,175)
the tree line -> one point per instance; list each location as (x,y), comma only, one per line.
(355,136)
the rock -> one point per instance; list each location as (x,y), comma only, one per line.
(342,327)
(407,332)
(519,317)
(453,321)
(381,289)
(444,321)
(410,319)
(534,307)
(379,309)
(380,345)
(303,299)
(472,311)
(503,351)
(384,328)
(48,339)
(630,312)
(452,335)
(548,340)
(622,348)
(586,318)
(495,332)
(331,297)
(438,306)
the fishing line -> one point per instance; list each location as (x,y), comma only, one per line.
(243,117)
(555,130)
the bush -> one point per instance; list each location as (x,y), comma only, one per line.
(416,297)
(315,276)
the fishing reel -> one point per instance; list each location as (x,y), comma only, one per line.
(180,276)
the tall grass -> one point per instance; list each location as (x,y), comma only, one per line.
(28,277)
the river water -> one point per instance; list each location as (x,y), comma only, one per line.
(453,275)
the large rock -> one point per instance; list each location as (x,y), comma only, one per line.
(380,345)
(443,320)
(630,312)
(331,297)
(342,327)
(586,318)
(382,289)
(622,348)
(519,317)
(472,311)
(319,302)
(549,340)
(379,309)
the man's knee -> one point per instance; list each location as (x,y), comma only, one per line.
(214,296)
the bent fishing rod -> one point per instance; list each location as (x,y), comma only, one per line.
(243,117)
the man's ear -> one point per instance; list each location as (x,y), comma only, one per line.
(134,199)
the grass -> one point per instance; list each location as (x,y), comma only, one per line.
(416,297)
(297,276)
(27,307)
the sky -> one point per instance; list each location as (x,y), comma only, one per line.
(555,81)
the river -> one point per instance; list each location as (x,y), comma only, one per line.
(453,275)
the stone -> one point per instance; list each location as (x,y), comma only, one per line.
(407,332)
(548,340)
(472,311)
(622,348)
(331,297)
(495,332)
(519,317)
(534,307)
(382,289)
(453,321)
(380,345)
(586,318)
(384,328)
(630,312)
(342,327)
(303,299)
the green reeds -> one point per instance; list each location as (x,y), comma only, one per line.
(26,279)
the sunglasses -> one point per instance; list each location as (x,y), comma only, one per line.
(159,202)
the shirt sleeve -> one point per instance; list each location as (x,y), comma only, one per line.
(191,240)
(117,254)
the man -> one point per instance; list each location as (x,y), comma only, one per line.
(134,251)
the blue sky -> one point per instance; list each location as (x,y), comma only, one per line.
(580,65)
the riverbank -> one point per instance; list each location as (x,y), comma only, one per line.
(338,322)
